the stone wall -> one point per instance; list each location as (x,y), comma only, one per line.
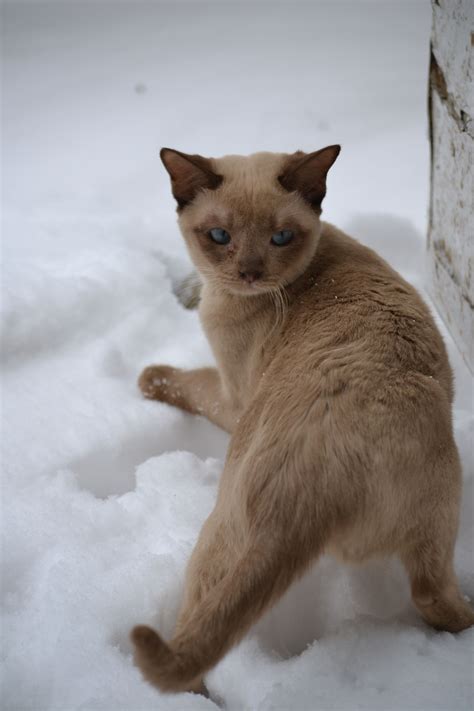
(451,223)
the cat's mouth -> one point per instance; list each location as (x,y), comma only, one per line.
(240,287)
(254,288)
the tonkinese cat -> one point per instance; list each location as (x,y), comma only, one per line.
(334,382)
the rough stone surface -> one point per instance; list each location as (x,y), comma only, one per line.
(451,229)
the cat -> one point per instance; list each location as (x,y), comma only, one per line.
(334,383)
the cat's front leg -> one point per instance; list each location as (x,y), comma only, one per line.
(196,391)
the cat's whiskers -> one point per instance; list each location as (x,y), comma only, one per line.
(212,278)
(279,298)
(271,288)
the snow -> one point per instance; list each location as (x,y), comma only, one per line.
(104,493)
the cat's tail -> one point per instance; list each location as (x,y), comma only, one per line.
(218,621)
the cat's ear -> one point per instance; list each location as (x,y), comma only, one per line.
(306,173)
(189,174)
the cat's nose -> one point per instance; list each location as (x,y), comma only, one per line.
(250,275)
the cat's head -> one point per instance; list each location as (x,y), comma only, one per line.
(251,223)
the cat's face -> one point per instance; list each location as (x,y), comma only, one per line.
(251,224)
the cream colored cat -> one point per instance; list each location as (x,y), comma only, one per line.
(335,384)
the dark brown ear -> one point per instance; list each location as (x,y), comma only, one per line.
(306,173)
(189,174)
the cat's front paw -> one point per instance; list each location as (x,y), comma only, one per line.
(159,382)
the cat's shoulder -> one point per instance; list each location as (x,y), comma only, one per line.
(337,251)
(335,244)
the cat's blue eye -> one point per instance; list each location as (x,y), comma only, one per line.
(282,238)
(219,235)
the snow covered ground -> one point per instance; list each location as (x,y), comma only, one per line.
(104,493)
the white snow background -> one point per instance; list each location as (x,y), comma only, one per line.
(104,493)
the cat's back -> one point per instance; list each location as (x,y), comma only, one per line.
(351,310)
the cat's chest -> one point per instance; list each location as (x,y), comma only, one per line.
(238,337)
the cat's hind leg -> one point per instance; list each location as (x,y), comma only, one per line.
(434,586)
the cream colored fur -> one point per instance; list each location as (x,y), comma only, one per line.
(335,385)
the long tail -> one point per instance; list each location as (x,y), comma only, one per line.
(220,619)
